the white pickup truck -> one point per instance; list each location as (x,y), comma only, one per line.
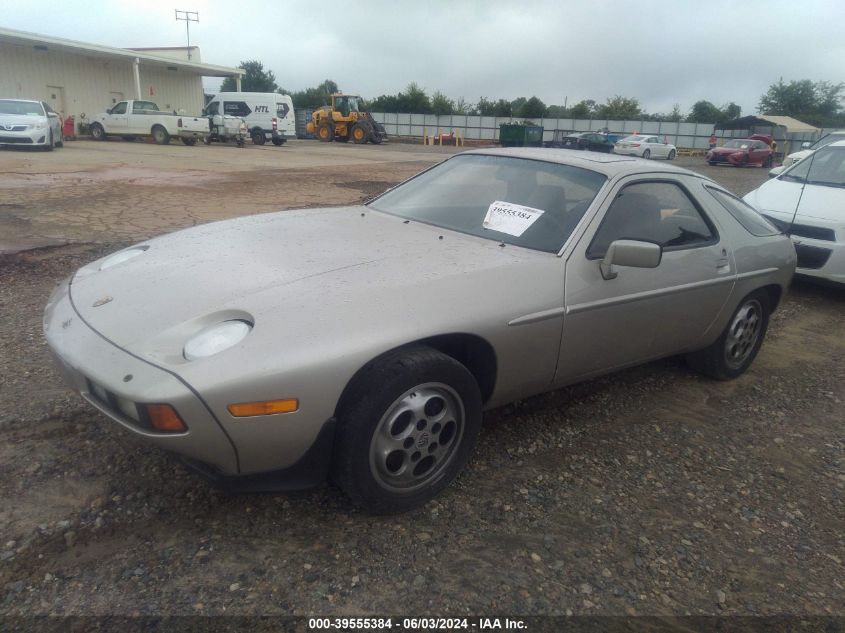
(129,119)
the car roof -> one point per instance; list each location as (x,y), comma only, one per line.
(607,164)
(24,100)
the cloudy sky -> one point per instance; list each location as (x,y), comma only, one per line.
(660,52)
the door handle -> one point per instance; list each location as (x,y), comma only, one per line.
(723,262)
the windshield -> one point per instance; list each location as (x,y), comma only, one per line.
(827,140)
(739,143)
(825,167)
(21,107)
(528,203)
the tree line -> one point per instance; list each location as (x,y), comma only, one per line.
(818,103)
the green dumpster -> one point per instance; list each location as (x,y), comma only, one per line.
(516,135)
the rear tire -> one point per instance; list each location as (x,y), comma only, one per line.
(647,154)
(160,135)
(407,424)
(712,163)
(325,133)
(189,141)
(278,142)
(736,348)
(258,138)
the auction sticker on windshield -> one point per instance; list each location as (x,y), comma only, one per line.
(510,218)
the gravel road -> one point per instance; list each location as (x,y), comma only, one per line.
(652,491)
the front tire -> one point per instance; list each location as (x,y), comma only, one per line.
(278,142)
(160,135)
(189,141)
(671,155)
(51,143)
(360,132)
(98,133)
(406,427)
(736,348)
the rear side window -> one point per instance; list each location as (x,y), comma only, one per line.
(236,108)
(659,212)
(744,213)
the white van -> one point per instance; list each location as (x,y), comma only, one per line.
(268,115)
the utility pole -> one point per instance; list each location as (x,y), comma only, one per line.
(188,17)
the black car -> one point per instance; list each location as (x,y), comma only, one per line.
(592,141)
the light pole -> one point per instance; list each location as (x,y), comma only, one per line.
(188,17)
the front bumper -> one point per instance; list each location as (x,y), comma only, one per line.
(820,258)
(112,380)
(28,136)
(819,244)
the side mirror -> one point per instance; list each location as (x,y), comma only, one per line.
(774,172)
(53,114)
(805,145)
(633,253)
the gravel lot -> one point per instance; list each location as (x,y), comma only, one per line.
(652,491)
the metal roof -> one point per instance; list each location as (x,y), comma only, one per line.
(767,120)
(45,42)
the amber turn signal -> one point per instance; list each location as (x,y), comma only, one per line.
(163,417)
(268,407)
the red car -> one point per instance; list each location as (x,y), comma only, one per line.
(755,150)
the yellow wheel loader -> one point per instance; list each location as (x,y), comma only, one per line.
(342,121)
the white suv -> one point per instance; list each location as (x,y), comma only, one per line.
(807,149)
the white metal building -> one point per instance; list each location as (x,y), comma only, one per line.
(76,77)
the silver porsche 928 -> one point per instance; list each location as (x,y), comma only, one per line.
(362,343)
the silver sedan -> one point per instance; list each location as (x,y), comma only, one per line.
(363,343)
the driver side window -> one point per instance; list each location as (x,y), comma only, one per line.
(658,212)
(120,108)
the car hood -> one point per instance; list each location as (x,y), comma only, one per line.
(21,119)
(328,261)
(727,150)
(796,156)
(781,197)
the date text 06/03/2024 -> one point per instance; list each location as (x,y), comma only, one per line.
(416,624)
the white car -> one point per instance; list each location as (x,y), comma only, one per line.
(807,202)
(28,123)
(645,146)
(807,149)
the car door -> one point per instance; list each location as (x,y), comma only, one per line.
(643,313)
(54,121)
(118,119)
(661,148)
